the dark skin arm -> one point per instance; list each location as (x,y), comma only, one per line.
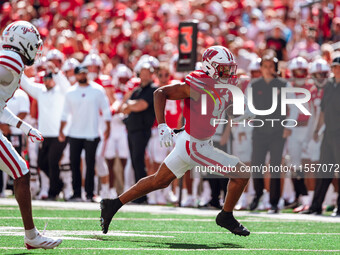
(172,92)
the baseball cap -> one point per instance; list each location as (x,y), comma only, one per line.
(80,69)
(336,61)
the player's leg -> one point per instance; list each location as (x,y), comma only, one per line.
(235,188)
(227,166)
(236,185)
(15,166)
(161,179)
(173,167)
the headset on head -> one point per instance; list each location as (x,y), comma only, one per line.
(273,59)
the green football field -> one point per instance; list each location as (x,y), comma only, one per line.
(167,230)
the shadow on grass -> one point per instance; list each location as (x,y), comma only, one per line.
(192,246)
(167,244)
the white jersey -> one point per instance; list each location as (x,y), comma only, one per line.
(12,62)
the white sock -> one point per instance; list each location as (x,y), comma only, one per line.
(105,193)
(32,233)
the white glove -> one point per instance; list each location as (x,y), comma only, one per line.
(31,132)
(165,135)
(35,135)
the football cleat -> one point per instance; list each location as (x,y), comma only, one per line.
(41,242)
(230,223)
(108,207)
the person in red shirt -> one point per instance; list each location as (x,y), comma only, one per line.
(194,145)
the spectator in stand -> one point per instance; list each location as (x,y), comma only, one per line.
(277,42)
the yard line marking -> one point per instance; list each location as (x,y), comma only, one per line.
(144,219)
(184,250)
(154,209)
(123,232)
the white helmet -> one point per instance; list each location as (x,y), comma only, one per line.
(298,63)
(70,64)
(143,64)
(23,38)
(299,69)
(219,63)
(154,62)
(92,60)
(123,71)
(55,54)
(318,66)
(319,70)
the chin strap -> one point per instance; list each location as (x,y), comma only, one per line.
(28,58)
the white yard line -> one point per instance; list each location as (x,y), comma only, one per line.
(182,250)
(11,231)
(51,205)
(144,219)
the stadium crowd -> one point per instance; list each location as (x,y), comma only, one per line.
(122,44)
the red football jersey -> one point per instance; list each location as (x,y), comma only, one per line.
(200,125)
(302,117)
(104,80)
(317,95)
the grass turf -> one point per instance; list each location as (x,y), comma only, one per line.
(145,233)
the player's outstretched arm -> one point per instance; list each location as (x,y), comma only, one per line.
(10,118)
(171,92)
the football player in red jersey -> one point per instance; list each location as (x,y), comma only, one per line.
(193,145)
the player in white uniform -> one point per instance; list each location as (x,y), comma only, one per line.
(19,104)
(19,45)
(298,156)
(319,70)
(117,143)
(68,69)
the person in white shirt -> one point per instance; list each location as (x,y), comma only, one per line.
(84,101)
(19,105)
(20,43)
(50,100)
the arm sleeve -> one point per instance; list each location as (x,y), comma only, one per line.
(61,80)
(6,76)
(105,106)
(8,117)
(32,88)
